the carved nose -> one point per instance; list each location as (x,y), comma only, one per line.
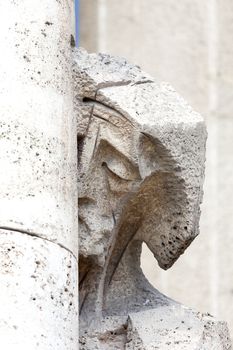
(171,156)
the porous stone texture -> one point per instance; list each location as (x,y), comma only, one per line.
(38,160)
(38,136)
(38,294)
(175,327)
(141,168)
(189,44)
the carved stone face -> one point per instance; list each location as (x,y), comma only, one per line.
(141,161)
(140,169)
(109,175)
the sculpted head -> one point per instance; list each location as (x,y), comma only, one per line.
(141,168)
(140,176)
(109,175)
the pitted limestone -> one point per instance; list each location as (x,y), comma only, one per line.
(141,169)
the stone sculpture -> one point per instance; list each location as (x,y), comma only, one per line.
(141,169)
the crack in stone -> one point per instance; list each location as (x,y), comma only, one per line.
(108,108)
(33,234)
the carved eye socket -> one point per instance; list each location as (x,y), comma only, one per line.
(116,168)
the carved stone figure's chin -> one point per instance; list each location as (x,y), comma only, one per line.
(94,239)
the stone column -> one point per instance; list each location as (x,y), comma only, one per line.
(38,240)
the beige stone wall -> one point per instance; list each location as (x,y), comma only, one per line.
(189,44)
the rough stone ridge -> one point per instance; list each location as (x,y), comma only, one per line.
(176,328)
(141,170)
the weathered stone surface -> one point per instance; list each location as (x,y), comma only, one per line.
(38,136)
(175,327)
(39,294)
(189,44)
(159,134)
(141,168)
(38,159)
